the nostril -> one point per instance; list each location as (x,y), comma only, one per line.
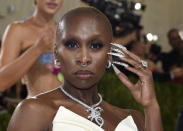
(83,58)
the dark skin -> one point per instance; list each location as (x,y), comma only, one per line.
(90,44)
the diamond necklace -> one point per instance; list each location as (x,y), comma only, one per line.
(95,110)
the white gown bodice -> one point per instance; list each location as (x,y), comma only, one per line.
(66,120)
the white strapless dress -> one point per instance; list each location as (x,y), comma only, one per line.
(66,120)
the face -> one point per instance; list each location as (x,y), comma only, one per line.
(83,41)
(175,40)
(49,6)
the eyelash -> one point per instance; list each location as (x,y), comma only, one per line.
(71,44)
(94,45)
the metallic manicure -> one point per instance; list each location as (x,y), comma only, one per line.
(118,45)
(115,54)
(117,50)
(115,69)
(120,63)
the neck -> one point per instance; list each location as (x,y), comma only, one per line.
(89,96)
(42,18)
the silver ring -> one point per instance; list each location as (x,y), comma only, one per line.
(144,64)
(84,65)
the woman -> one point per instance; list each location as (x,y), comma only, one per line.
(33,39)
(82,43)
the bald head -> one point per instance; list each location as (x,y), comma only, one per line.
(80,15)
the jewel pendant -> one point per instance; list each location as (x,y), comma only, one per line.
(95,114)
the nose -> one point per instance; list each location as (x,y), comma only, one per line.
(83,57)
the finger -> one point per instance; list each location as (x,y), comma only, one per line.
(124,79)
(118,46)
(138,72)
(130,61)
(122,57)
(124,51)
(131,55)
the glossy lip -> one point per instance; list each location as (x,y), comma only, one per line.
(84,74)
(52,5)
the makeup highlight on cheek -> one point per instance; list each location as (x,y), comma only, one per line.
(73,61)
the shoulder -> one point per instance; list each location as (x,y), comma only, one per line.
(42,101)
(13,31)
(28,115)
(16,27)
(34,107)
(32,104)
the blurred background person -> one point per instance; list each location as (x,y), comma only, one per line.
(38,32)
(173,60)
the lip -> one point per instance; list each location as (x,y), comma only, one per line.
(52,5)
(84,74)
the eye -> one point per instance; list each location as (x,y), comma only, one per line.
(71,44)
(96,45)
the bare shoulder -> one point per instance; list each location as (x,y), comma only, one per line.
(14,32)
(29,113)
(32,104)
(17,27)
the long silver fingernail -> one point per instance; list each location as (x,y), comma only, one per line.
(117,50)
(116,70)
(120,63)
(118,45)
(115,54)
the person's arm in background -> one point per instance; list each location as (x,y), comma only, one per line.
(13,66)
(12,72)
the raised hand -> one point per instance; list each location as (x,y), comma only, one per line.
(142,91)
(46,39)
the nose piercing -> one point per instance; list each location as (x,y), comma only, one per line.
(84,65)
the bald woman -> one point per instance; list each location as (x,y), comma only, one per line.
(82,47)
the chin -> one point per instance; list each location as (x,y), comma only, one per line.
(84,85)
(51,12)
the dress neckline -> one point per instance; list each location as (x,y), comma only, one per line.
(67,116)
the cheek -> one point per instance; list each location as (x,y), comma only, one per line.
(66,66)
(67,60)
(64,57)
(99,63)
